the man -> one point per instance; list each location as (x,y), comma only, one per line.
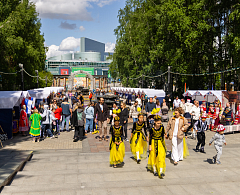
(195,113)
(176,103)
(227,113)
(134,112)
(155,99)
(149,106)
(66,114)
(183,106)
(101,111)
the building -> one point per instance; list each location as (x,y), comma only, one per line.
(91,58)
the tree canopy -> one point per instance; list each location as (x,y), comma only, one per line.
(191,36)
(21,42)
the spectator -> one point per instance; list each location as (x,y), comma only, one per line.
(78,122)
(53,122)
(66,114)
(90,96)
(58,115)
(101,111)
(195,113)
(163,103)
(176,103)
(149,106)
(46,122)
(183,106)
(139,101)
(81,99)
(134,112)
(124,119)
(158,106)
(155,99)
(227,113)
(89,112)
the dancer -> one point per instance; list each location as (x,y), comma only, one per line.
(117,147)
(219,140)
(35,126)
(210,115)
(138,141)
(23,121)
(201,126)
(157,149)
(176,127)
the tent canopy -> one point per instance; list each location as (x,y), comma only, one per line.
(43,93)
(9,99)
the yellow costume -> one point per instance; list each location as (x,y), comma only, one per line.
(158,153)
(138,142)
(117,152)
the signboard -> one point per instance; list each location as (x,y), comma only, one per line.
(89,70)
(64,71)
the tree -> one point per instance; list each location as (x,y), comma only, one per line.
(21,42)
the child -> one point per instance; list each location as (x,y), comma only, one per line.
(57,113)
(157,149)
(138,142)
(53,123)
(201,126)
(219,140)
(117,147)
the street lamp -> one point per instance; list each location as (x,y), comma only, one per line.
(37,77)
(21,66)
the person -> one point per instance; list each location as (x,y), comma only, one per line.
(157,149)
(227,113)
(216,116)
(168,100)
(139,101)
(158,106)
(219,140)
(42,103)
(79,117)
(163,103)
(201,126)
(90,96)
(46,122)
(195,113)
(124,119)
(183,106)
(101,111)
(66,114)
(155,99)
(117,147)
(23,121)
(58,115)
(35,125)
(53,122)
(138,141)
(149,106)
(176,103)
(210,115)
(176,127)
(134,111)
(114,112)
(237,115)
(203,107)
(89,112)
(81,98)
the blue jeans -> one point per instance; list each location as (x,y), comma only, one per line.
(67,122)
(135,120)
(89,123)
(46,128)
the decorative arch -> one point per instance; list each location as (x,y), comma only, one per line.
(73,74)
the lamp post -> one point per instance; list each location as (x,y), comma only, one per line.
(37,77)
(21,66)
(46,81)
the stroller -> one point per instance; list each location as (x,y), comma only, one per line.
(165,117)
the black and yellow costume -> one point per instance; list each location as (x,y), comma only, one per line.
(138,141)
(117,152)
(158,153)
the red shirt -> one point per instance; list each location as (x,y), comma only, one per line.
(58,113)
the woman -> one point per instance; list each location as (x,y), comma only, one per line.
(124,119)
(89,112)
(23,121)
(35,126)
(78,122)
(158,106)
(176,127)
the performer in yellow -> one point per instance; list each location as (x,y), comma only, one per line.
(117,147)
(138,142)
(157,149)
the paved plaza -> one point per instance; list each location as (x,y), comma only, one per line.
(60,166)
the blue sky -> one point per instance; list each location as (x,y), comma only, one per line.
(64,22)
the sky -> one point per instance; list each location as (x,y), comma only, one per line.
(65,21)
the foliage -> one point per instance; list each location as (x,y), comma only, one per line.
(21,42)
(197,36)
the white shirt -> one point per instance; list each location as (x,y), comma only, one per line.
(101,106)
(188,107)
(176,103)
(175,132)
(195,111)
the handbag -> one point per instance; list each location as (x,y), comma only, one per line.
(3,135)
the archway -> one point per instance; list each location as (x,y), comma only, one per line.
(73,74)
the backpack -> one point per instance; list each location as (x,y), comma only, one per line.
(79,116)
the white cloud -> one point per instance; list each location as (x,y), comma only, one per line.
(53,50)
(81,28)
(69,44)
(109,47)
(67,10)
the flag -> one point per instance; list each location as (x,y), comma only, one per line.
(28,104)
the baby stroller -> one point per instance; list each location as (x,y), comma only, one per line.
(165,117)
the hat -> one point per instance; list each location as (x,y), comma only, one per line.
(204,115)
(220,128)
(188,100)
(116,118)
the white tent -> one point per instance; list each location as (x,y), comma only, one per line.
(207,95)
(26,94)
(9,99)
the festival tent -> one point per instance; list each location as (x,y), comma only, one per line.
(9,102)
